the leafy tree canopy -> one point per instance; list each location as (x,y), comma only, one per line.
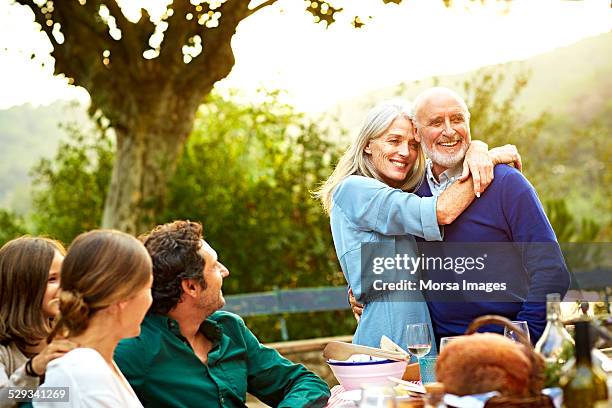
(147,74)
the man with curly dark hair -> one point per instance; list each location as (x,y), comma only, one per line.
(190,354)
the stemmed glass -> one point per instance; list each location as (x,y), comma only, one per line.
(419,339)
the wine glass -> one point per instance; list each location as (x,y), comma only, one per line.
(419,339)
(522,325)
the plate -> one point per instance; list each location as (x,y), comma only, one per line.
(355,396)
(352,395)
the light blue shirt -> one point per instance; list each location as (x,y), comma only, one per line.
(448,177)
(365,210)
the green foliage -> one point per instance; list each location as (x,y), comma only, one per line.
(11,226)
(246,174)
(567,226)
(69,190)
(497,120)
(582,170)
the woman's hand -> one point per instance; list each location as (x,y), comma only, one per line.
(53,350)
(507,154)
(355,306)
(480,165)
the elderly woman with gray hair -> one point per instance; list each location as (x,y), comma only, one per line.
(369,199)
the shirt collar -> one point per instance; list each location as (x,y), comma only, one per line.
(208,328)
(447,176)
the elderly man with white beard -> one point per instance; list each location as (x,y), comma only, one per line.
(508,211)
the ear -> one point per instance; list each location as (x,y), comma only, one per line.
(189,287)
(415,133)
(368,148)
(115,309)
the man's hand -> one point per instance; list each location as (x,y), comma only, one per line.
(53,350)
(507,154)
(480,165)
(355,306)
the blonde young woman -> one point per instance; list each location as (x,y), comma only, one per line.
(104,295)
(369,200)
(29,282)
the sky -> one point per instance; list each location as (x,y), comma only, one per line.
(280,48)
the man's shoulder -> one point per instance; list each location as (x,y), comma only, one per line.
(510,179)
(229,325)
(150,334)
(504,172)
(225,318)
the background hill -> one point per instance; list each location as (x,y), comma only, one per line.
(575,80)
(572,83)
(28,134)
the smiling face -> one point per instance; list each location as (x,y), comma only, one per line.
(443,129)
(394,152)
(50,303)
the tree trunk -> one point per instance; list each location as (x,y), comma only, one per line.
(148,149)
(150,103)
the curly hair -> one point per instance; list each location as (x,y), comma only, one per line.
(174,251)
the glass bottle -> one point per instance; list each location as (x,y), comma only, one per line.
(556,344)
(585,384)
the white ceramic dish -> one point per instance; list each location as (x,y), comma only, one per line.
(362,370)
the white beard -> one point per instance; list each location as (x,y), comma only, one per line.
(443,159)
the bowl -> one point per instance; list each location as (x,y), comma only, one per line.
(360,370)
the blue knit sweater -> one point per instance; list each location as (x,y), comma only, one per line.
(508,211)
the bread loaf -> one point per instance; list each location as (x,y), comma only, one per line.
(484,362)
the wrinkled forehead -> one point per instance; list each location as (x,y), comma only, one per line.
(208,252)
(400,125)
(441,104)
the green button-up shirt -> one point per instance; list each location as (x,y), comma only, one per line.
(165,372)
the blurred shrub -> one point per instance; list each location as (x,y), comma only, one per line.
(246,174)
(11,226)
(69,190)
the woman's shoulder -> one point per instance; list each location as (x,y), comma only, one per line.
(361,181)
(79,360)
(355,186)
(10,352)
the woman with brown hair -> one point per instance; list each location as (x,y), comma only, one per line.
(29,282)
(104,295)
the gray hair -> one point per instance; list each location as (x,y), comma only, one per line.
(436,90)
(356,161)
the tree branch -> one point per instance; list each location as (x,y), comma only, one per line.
(217,58)
(262,5)
(40,18)
(128,32)
(175,36)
